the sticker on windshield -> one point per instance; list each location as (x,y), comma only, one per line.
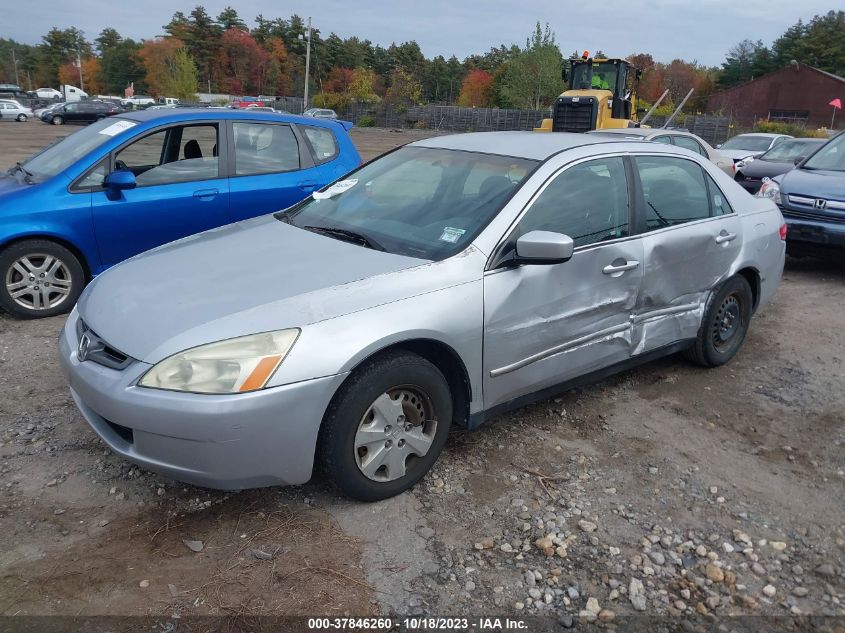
(451,234)
(117,127)
(336,189)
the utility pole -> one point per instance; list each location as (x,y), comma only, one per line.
(307,65)
(15,64)
(79,65)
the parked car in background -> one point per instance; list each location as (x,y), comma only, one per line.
(750,172)
(168,101)
(132,182)
(752,144)
(138,101)
(354,329)
(48,93)
(12,90)
(12,110)
(679,138)
(39,112)
(80,112)
(812,199)
(320,113)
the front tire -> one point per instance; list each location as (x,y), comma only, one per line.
(38,279)
(385,427)
(57,120)
(724,325)
(22,118)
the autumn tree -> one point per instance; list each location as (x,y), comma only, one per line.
(475,91)
(363,86)
(170,70)
(241,63)
(533,79)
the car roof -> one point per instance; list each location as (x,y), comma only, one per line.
(174,115)
(764,134)
(531,145)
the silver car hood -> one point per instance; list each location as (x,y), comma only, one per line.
(252,276)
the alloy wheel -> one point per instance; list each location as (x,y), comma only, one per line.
(38,282)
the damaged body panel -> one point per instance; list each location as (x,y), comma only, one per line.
(508,264)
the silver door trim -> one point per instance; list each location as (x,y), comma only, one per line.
(557,349)
(647,316)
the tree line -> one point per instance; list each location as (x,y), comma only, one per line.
(201,53)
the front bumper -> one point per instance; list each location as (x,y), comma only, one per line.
(230,442)
(806,234)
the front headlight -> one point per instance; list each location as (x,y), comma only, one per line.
(237,365)
(770,190)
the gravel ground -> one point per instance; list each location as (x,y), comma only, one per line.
(667,491)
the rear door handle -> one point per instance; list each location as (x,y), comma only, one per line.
(723,237)
(621,268)
(307,185)
(206,193)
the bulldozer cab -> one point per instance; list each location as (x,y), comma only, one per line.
(600,96)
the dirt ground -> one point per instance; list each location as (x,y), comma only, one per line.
(666,491)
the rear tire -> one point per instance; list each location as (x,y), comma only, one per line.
(39,279)
(57,120)
(385,427)
(725,324)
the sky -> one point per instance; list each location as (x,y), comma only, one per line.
(692,30)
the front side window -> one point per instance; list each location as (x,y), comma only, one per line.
(95,177)
(674,189)
(322,142)
(264,148)
(831,156)
(588,202)
(175,154)
(416,201)
(690,143)
(56,158)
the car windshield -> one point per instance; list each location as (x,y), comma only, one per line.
(420,202)
(788,151)
(56,158)
(830,157)
(750,143)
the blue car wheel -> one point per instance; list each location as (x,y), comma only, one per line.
(39,278)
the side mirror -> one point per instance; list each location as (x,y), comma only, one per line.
(565,75)
(798,160)
(544,247)
(120,180)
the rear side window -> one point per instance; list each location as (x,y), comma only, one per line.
(675,191)
(264,148)
(718,203)
(322,142)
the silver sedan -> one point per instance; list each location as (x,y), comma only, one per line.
(438,285)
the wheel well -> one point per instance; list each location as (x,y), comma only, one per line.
(51,238)
(447,361)
(752,276)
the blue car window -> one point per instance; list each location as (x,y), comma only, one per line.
(264,148)
(322,142)
(176,154)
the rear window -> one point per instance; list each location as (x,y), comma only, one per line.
(322,142)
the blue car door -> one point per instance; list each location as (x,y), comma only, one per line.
(181,189)
(272,168)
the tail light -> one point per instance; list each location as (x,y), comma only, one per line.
(783,231)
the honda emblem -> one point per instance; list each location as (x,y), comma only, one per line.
(820,203)
(83,348)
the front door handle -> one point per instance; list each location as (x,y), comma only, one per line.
(611,269)
(724,237)
(206,194)
(307,185)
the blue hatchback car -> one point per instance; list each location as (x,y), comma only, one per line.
(129,183)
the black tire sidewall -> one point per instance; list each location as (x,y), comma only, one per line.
(739,287)
(337,433)
(12,253)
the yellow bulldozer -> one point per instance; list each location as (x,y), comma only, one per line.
(601,96)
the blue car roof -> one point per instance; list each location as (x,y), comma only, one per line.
(196,114)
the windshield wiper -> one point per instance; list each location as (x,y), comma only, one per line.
(27,176)
(347,235)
